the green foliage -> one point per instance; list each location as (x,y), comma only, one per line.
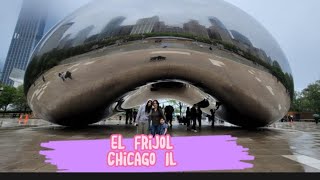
(40,65)
(7,97)
(20,100)
(308,100)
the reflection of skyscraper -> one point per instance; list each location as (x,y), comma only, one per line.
(28,32)
(125,30)
(112,28)
(218,30)
(82,36)
(65,42)
(193,27)
(260,54)
(241,38)
(55,38)
(161,27)
(216,22)
(145,25)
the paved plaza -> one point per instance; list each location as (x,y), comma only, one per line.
(282,147)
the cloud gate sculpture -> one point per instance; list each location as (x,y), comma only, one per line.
(118,53)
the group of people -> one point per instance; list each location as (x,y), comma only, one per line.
(131,114)
(65,75)
(195,113)
(151,119)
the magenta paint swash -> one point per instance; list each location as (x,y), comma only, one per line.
(200,153)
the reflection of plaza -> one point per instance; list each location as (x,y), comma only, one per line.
(113,32)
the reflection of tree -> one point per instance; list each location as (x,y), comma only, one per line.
(217,34)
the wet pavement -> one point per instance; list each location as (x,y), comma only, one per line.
(282,147)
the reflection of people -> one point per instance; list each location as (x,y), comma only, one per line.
(199,116)
(129,116)
(163,127)
(65,75)
(61,75)
(194,118)
(188,117)
(213,112)
(134,114)
(68,75)
(155,116)
(168,111)
(120,117)
(143,117)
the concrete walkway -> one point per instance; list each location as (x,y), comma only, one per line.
(283,147)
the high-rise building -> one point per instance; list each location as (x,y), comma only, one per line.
(241,38)
(56,37)
(193,27)
(112,28)
(28,32)
(219,31)
(145,25)
(82,36)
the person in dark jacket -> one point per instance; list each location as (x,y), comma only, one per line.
(199,116)
(156,115)
(194,118)
(168,111)
(188,118)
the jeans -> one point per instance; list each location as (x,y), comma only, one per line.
(155,129)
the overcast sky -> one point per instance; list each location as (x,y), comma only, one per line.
(293,23)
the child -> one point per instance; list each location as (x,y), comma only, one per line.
(163,127)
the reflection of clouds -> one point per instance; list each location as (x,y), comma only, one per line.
(176,13)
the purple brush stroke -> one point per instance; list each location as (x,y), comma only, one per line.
(205,153)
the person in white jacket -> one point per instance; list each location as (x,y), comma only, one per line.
(143,118)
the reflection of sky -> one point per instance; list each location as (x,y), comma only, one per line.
(176,13)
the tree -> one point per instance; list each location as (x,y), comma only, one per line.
(308,100)
(20,100)
(7,97)
(299,103)
(312,95)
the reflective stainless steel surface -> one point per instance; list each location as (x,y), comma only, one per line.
(115,48)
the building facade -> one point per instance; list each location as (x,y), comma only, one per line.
(28,32)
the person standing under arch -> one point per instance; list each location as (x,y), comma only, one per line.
(194,118)
(143,118)
(155,116)
(199,116)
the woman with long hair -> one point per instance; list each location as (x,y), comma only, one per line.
(155,116)
(143,118)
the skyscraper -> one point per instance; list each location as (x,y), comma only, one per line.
(193,27)
(145,25)
(220,30)
(28,32)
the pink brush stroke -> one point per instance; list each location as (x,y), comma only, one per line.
(205,153)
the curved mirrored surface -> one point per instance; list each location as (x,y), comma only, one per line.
(116,26)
